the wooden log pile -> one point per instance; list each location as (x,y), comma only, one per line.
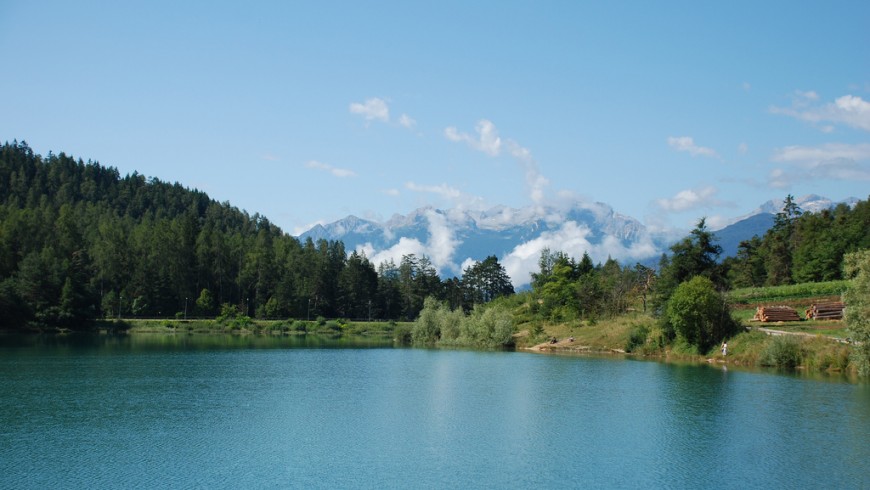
(768,314)
(826,311)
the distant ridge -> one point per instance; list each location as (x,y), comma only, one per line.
(454,237)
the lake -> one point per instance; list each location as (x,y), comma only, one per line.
(306,412)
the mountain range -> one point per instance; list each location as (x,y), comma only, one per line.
(455,238)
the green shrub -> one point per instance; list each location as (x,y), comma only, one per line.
(427,328)
(488,326)
(636,338)
(782,351)
(402,334)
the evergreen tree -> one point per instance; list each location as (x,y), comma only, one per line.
(485,281)
(780,243)
(695,255)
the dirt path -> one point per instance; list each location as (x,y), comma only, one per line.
(771,331)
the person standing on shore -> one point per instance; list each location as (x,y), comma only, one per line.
(724,348)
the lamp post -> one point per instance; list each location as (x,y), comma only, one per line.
(308,315)
(185,307)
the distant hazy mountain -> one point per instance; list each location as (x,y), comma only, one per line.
(454,237)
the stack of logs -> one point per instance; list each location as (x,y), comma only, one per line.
(776,314)
(826,311)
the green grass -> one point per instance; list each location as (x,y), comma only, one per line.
(799,296)
(768,294)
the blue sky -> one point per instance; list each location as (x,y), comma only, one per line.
(310,111)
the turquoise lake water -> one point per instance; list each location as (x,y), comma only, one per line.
(252,412)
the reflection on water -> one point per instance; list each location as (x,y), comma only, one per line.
(254,411)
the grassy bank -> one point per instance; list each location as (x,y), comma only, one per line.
(638,335)
(811,345)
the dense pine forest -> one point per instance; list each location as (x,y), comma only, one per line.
(78,242)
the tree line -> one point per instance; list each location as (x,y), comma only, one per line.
(80,242)
(801,247)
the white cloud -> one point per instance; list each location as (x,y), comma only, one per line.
(850,110)
(535,182)
(830,151)
(807,95)
(487,139)
(853,111)
(406,121)
(439,247)
(391,192)
(442,241)
(405,246)
(687,144)
(458,200)
(443,190)
(717,222)
(690,199)
(337,172)
(572,239)
(373,109)
(832,161)
(743,148)
(780,179)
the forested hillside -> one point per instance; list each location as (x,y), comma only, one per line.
(78,242)
(801,247)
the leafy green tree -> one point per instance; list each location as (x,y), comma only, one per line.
(417,279)
(699,314)
(427,327)
(205,303)
(857,299)
(557,291)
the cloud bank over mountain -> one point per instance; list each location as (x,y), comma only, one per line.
(455,238)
